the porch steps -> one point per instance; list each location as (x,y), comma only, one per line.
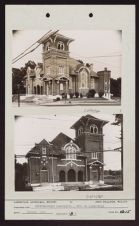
(49,187)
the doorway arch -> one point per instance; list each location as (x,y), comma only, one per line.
(80,175)
(34,89)
(62,176)
(71,175)
(41,90)
(38,89)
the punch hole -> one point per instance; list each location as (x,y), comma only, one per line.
(47,14)
(90,14)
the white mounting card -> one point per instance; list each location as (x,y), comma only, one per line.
(77,50)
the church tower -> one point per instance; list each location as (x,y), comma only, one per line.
(55,63)
(89,137)
(104,82)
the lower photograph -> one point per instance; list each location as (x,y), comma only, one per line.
(68,152)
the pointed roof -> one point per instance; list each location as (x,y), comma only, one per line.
(51,149)
(43,142)
(84,119)
(34,151)
(61,139)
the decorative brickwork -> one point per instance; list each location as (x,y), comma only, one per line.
(68,160)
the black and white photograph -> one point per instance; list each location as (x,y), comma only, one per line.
(69,153)
(70,112)
(59,67)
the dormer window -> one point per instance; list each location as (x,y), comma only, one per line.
(60,45)
(80,131)
(93,129)
(43,150)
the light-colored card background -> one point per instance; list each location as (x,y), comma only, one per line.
(116,17)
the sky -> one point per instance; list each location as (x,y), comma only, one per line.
(87,46)
(32,129)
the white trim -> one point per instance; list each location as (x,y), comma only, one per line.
(77,160)
(84,67)
(92,163)
(71,162)
(52,157)
(34,157)
(55,38)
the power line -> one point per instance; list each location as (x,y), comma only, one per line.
(107,150)
(30,46)
(21,55)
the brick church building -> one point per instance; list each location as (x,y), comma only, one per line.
(67,160)
(59,73)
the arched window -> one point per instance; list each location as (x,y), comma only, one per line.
(71,150)
(70,153)
(80,131)
(93,129)
(61,70)
(60,45)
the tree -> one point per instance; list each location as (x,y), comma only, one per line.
(119,121)
(20,176)
(115,87)
(18,77)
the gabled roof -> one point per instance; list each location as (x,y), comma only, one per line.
(43,142)
(34,151)
(61,139)
(84,119)
(93,74)
(51,149)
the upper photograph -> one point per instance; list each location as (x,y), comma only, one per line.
(66,67)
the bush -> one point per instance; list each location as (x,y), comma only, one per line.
(63,95)
(76,94)
(71,95)
(91,93)
(101,93)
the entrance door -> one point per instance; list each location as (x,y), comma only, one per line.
(41,90)
(80,176)
(34,89)
(38,89)
(95,174)
(71,175)
(44,176)
(62,176)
